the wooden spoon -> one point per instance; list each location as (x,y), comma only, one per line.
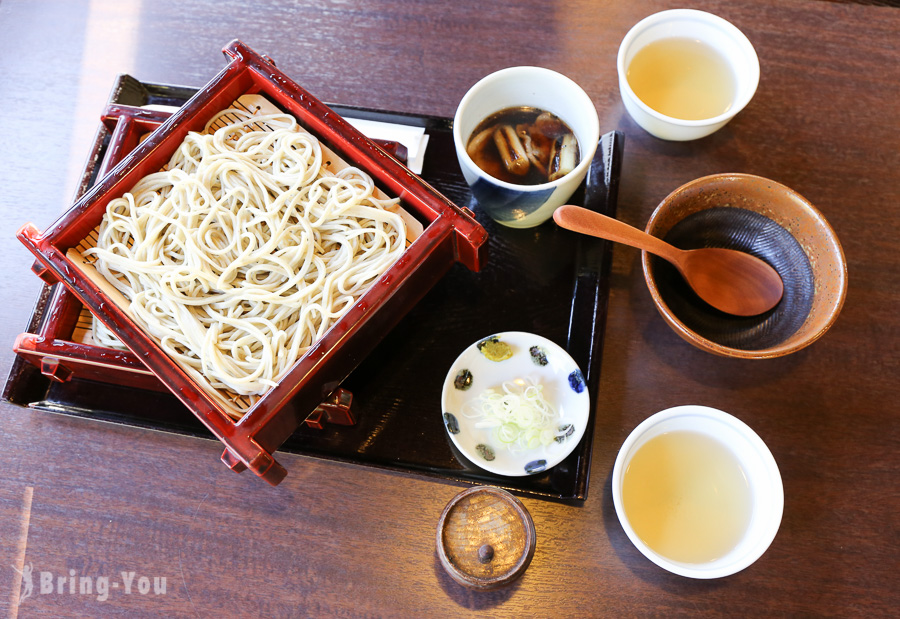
(729,280)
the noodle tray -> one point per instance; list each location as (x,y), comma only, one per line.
(334,239)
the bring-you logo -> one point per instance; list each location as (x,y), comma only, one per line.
(101,587)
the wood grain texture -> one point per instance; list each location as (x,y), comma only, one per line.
(485,538)
(342,541)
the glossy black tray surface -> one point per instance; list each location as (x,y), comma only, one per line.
(544,280)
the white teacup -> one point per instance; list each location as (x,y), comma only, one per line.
(525,206)
(759,472)
(707,28)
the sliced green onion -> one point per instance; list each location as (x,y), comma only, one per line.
(519,414)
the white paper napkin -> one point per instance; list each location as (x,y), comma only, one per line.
(413,138)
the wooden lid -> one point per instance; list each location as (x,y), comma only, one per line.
(485,538)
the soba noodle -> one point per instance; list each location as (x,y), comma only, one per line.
(245,250)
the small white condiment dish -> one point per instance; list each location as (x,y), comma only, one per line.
(525,206)
(707,28)
(763,478)
(534,360)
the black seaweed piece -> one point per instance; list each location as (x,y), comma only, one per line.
(451,422)
(538,355)
(567,431)
(485,452)
(463,380)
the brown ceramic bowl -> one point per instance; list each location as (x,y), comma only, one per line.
(768,220)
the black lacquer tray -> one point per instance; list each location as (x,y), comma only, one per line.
(544,280)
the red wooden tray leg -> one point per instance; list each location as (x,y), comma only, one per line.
(43,272)
(54,370)
(316,419)
(263,464)
(336,410)
(233,462)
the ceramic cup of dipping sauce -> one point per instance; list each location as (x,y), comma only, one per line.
(511,203)
(697,492)
(683,73)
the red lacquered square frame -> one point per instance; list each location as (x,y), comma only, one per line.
(55,348)
(450,235)
(52,348)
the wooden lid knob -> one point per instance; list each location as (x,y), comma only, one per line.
(485,538)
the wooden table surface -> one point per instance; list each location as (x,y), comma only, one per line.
(84,499)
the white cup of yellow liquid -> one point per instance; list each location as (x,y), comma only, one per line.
(697,492)
(683,73)
(514,204)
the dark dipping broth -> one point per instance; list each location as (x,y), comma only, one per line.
(524,146)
